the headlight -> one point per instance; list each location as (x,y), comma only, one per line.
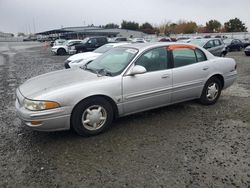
(77,61)
(39,105)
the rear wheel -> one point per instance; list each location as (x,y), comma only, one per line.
(211,91)
(92,116)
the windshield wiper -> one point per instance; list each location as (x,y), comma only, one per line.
(104,72)
(84,67)
(99,72)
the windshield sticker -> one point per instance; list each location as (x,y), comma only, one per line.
(132,51)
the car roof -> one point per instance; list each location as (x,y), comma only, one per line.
(74,40)
(202,41)
(206,39)
(116,44)
(143,46)
(96,37)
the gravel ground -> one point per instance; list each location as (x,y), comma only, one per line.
(183,145)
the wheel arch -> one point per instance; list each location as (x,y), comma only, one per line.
(220,77)
(109,99)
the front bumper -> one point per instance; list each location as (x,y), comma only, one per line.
(46,120)
(71,52)
(54,51)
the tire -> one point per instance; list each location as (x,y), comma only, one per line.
(247,54)
(61,51)
(223,54)
(211,91)
(92,116)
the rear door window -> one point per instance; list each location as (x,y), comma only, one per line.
(200,55)
(183,57)
(209,44)
(217,42)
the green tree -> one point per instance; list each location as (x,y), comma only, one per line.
(186,27)
(111,26)
(147,28)
(129,25)
(213,26)
(235,25)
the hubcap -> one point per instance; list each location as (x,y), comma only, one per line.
(94,117)
(212,91)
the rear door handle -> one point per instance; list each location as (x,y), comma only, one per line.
(165,76)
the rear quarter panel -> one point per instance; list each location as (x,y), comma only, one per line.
(224,67)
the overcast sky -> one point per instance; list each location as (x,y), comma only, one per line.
(40,15)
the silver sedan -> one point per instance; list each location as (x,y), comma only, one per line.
(123,81)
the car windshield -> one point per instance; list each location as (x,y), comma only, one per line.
(85,40)
(113,62)
(68,42)
(227,41)
(103,48)
(198,42)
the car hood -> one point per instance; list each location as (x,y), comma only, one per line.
(85,55)
(46,83)
(59,46)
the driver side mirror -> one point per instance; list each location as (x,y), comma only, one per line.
(137,69)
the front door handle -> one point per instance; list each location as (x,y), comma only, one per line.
(165,76)
(205,68)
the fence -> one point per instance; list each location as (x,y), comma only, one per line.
(11,39)
(238,35)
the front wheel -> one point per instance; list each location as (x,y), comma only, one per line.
(211,91)
(223,54)
(61,51)
(92,116)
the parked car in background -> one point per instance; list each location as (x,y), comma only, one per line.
(246,43)
(58,42)
(63,49)
(247,51)
(214,45)
(125,80)
(80,59)
(138,40)
(159,39)
(119,39)
(182,38)
(233,44)
(89,44)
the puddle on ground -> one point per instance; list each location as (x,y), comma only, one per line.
(237,90)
